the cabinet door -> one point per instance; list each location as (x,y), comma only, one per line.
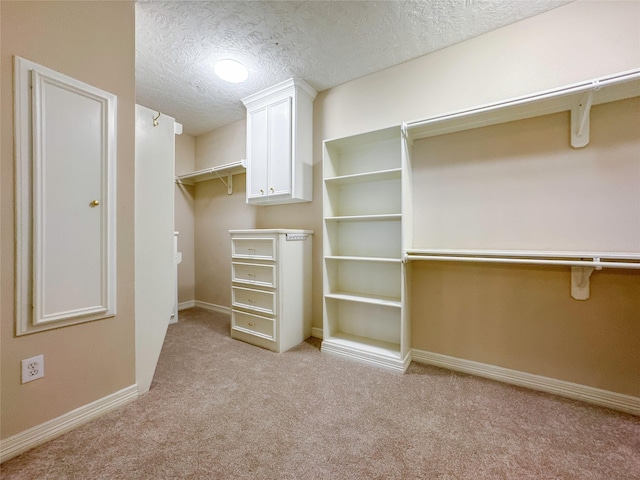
(257,153)
(280,160)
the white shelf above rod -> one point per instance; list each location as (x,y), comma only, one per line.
(219,172)
(581,269)
(577,98)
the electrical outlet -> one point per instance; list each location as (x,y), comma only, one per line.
(32,368)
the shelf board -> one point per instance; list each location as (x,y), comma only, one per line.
(377,176)
(366,218)
(363,259)
(606,89)
(212,173)
(366,298)
(364,344)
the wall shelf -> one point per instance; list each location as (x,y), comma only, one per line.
(227,170)
(390,174)
(577,98)
(363,298)
(365,218)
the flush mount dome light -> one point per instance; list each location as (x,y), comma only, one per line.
(231,70)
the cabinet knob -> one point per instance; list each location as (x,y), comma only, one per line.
(272,190)
(261,192)
(94,203)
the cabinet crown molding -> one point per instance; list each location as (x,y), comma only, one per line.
(263,96)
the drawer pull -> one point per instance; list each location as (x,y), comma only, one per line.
(250,300)
(251,274)
(251,324)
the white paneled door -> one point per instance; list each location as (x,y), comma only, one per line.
(65,197)
(154,251)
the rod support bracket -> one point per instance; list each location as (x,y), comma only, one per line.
(580,281)
(580,119)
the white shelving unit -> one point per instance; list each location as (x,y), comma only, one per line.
(365,314)
(220,172)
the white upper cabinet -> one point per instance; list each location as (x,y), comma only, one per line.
(279,144)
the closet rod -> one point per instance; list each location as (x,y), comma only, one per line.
(531,99)
(526,261)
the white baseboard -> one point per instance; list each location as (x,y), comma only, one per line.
(316,332)
(34,436)
(595,396)
(187,304)
(212,307)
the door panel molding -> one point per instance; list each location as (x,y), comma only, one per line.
(65,199)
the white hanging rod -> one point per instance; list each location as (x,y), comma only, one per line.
(570,259)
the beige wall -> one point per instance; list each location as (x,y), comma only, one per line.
(217,213)
(553,337)
(524,318)
(184,218)
(93,42)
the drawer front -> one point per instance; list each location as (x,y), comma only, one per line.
(258,248)
(259,300)
(254,274)
(253,324)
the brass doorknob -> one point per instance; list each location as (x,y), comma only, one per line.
(95,203)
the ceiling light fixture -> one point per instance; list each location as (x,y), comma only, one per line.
(231,70)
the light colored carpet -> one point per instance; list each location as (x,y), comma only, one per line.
(223,409)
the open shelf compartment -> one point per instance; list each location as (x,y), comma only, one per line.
(365,153)
(363,239)
(371,282)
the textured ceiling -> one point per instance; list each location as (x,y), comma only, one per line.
(325,43)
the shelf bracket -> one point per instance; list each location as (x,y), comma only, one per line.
(228,183)
(580,120)
(580,281)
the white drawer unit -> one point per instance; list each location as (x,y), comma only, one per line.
(253,325)
(253,274)
(259,248)
(263,301)
(267,267)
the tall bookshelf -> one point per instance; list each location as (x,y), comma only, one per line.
(365,307)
